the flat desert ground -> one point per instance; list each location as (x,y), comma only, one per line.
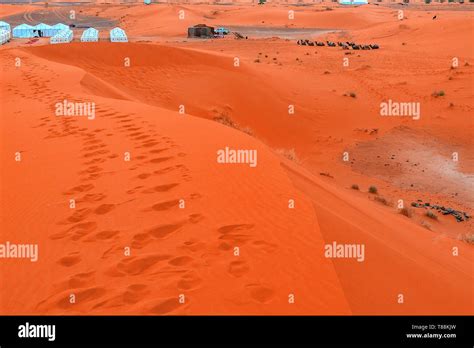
(133,213)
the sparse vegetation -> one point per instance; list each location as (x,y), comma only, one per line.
(437,94)
(431,215)
(381,200)
(406,212)
(425,225)
(468,238)
(227,121)
(256,60)
(288,153)
(373,189)
(326,174)
(355,187)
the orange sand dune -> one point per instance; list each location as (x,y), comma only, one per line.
(189,250)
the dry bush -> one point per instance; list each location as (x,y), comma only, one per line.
(288,153)
(468,238)
(381,200)
(431,215)
(405,211)
(227,121)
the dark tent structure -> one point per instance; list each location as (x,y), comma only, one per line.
(201,30)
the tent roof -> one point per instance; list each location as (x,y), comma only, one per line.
(60,26)
(91,30)
(24,26)
(42,26)
(3,23)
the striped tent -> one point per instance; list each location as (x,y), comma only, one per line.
(90,35)
(118,35)
(23,31)
(4,26)
(58,28)
(43,30)
(4,36)
(64,36)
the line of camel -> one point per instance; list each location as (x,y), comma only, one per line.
(345,45)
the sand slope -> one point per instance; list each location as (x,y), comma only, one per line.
(190,250)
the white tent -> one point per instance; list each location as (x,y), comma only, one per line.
(23,30)
(90,35)
(118,35)
(4,26)
(58,27)
(4,36)
(43,30)
(64,36)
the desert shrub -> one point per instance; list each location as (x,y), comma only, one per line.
(288,153)
(425,225)
(352,95)
(373,189)
(381,200)
(437,94)
(431,215)
(355,187)
(406,212)
(227,121)
(468,238)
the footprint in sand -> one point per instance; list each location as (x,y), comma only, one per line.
(195,218)
(165,306)
(140,240)
(260,293)
(189,281)
(104,235)
(239,268)
(104,209)
(70,260)
(160,188)
(165,205)
(137,265)
(79,280)
(265,246)
(180,261)
(80,188)
(163,231)
(233,233)
(82,296)
(134,293)
(77,231)
(160,159)
(91,197)
(77,216)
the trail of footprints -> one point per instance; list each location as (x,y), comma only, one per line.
(154,156)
